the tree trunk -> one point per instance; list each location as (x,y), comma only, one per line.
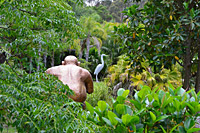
(88,47)
(52,59)
(97,43)
(81,51)
(45,58)
(187,64)
(38,59)
(30,65)
(197,85)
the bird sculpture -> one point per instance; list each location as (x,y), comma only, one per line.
(99,67)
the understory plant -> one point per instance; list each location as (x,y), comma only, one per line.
(149,111)
(38,102)
(124,72)
(101,92)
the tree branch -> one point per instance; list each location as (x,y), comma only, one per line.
(31,13)
(12,69)
(7,28)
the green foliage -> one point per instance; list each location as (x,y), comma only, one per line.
(161,33)
(31,29)
(149,111)
(160,80)
(124,72)
(101,92)
(118,72)
(38,103)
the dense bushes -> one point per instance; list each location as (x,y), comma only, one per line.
(149,111)
(37,103)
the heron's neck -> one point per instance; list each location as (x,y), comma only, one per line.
(102,60)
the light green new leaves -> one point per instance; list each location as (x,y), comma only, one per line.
(90,108)
(102,105)
(144,92)
(126,119)
(120,108)
(112,117)
(122,92)
(153,117)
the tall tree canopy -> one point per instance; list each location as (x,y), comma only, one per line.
(164,32)
(30,29)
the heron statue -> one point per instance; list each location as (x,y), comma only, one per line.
(99,67)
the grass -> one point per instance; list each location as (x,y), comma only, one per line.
(101,92)
(9,130)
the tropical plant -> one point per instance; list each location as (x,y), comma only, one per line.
(124,72)
(160,80)
(94,33)
(119,72)
(149,111)
(38,103)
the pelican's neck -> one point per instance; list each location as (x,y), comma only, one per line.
(102,60)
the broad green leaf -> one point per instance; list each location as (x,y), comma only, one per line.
(198,108)
(153,117)
(143,92)
(102,105)
(107,121)
(136,104)
(181,129)
(135,119)
(112,119)
(150,98)
(180,92)
(192,130)
(128,110)
(120,108)
(120,92)
(118,119)
(191,107)
(121,99)
(140,111)
(126,119)
(161,95)
(185,5)
(162,117)
(125,93)
(177,105)
(187,123)
(166,102)
(89,107)
(120,129)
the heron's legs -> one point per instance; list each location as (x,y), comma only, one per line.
(97,78)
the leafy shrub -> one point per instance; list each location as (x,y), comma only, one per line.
(118,72)
(124,72)
(37,103)
(160,79)
(149,111)
(101,92)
